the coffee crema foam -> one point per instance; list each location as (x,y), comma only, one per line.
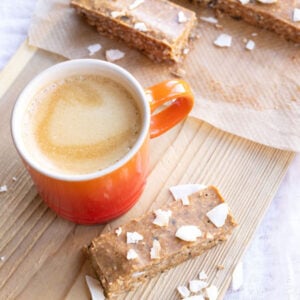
(81,124)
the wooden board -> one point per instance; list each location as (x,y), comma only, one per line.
(41,253)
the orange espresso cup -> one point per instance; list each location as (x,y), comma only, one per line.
(103,195)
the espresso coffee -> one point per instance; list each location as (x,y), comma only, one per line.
(81,124)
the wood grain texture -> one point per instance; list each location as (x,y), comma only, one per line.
(42,257)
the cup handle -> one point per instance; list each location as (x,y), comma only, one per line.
(180,96)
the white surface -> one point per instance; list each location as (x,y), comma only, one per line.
(272,262)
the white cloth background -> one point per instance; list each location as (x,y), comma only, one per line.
(272,262)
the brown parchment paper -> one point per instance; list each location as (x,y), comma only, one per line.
(253,94)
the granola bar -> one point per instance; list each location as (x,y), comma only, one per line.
(159,240)
(158,28)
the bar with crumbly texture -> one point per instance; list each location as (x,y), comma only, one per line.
(108,252)
(158,28)
(276,17)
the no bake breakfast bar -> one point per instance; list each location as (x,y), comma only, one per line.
(158,28)
(160,240)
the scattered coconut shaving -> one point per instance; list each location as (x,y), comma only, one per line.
(197,285)
(155,250)
(210,20)
(118,231)
(181,17)
(188,233)
(202,275)
(183,291)
(133,237)
(296,15)
(223,40)
(95,288)
(135,4)
(3,188)
(250,45)
(244,1)
(218,214)
(237,277)
(94,49)
(182,190)
(267,1)
(131,254)
(212,292)
(162,217)
(140,26)
(114,54)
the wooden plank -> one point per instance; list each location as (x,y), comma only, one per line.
(42,253)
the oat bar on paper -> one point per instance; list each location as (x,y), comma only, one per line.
(158,28)
(160,240)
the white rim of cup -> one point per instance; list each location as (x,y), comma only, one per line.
(75,67)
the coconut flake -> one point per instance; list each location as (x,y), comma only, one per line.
(218,214)
(155,250)
(14,178)
(116,14)
(182,190)
(114,54)
(188,233)
(118,231)
(2,258)
(162,217)
(95,288)
(267,1)
(138,274)
(202,275)
(210,20)
(131,254)
(244,1)
(237,277)
(296,15)
(181,17)
(94,48)
(133,237)
(140,26)
(3,188)
(250,45)
(183,291)
(223,40)
(135,4)
(185,200)
(197,285)
(212,292)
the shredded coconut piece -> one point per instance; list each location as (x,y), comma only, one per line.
(95,288)
(223,40)
(210,20)
(133,237)
(116,14)
(3,188)
(197,285)
(218,214)
(162,217)
(14,178)
(2,258)
(131,254)
(114,54)
(118,231)
(185,200)
(179,191)
(250,45)
(212,292)
(138,274)
(188,233)
(202,275)
(296,15)
(181,17)
(183,291)
(94,48)
(140,26)
(237,277)
(267,1)
(155,250)
(135,4)
(244,1)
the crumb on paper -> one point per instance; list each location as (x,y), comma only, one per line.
(135,4)
(140,26)
(14,178)
(188,233)
(131,254)
(118,231)
(114,54)
(218,214)
(220,267)
(94,49)
(133,237)
(3,188)
(95,288)
(223,40)
(181,17)
(178,72)
(250,45)
(296,15)
(211,20)
(237,277)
